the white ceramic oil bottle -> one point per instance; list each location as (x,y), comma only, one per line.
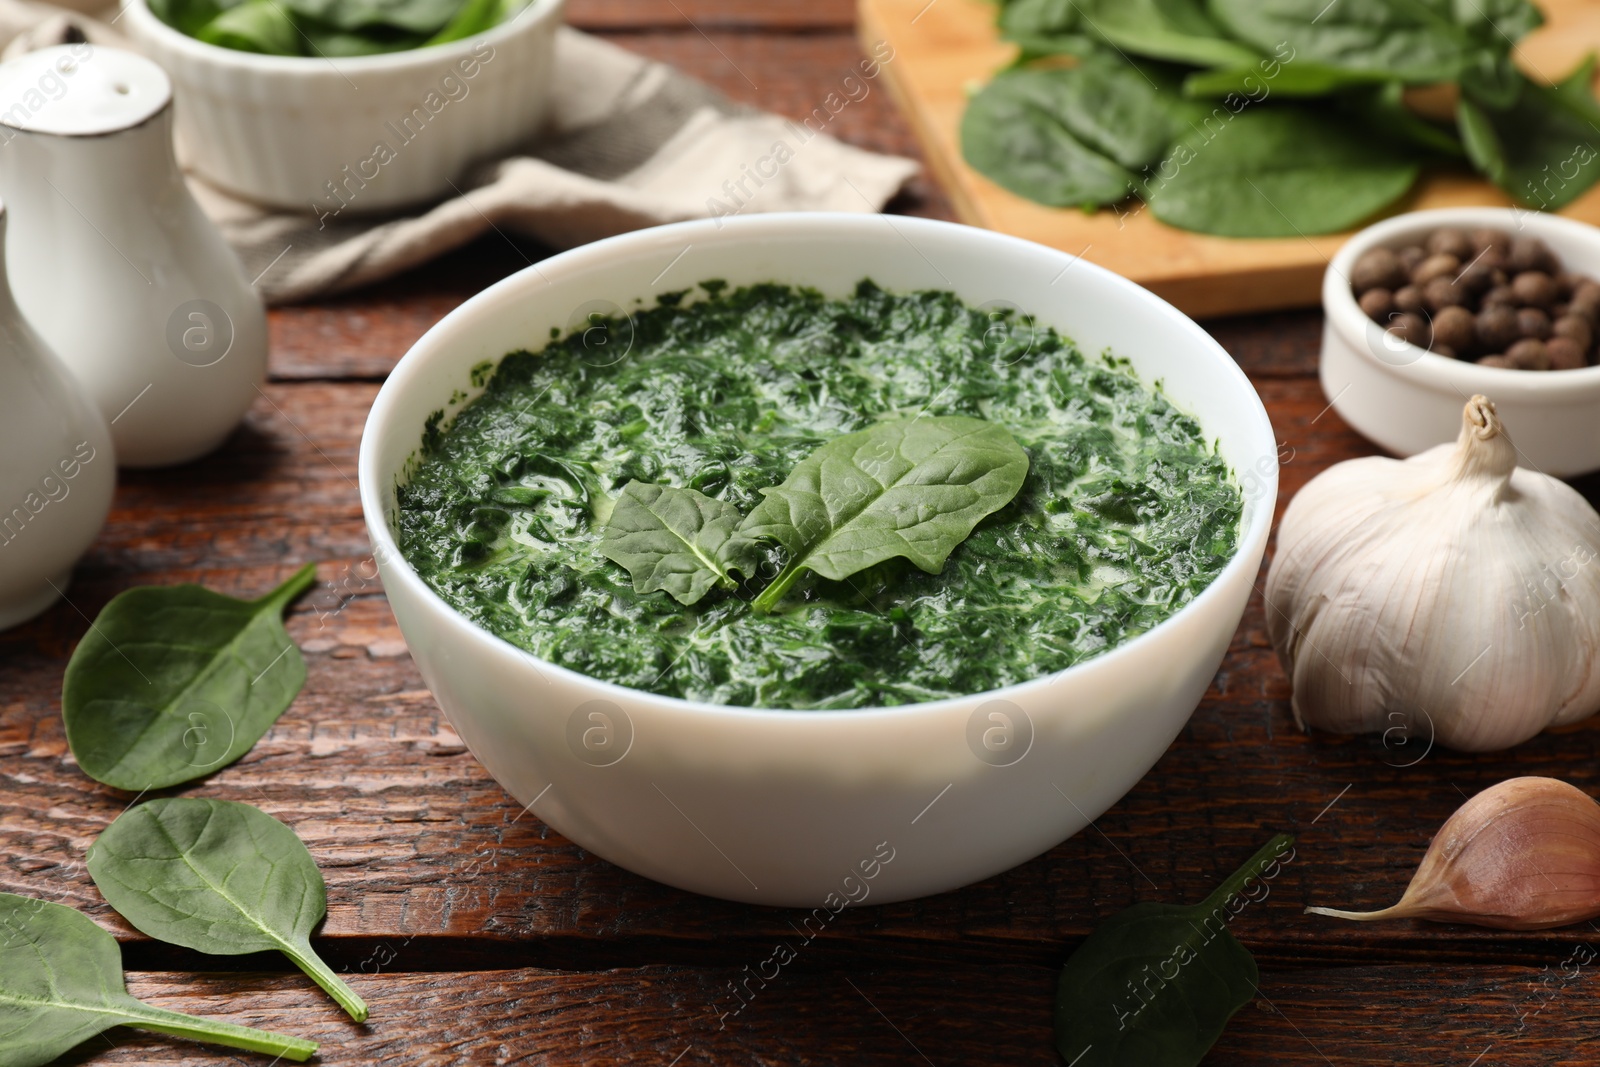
(57,469)
(111,259)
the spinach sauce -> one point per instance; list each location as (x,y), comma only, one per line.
(1125,516)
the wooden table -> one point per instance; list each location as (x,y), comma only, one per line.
(480,936)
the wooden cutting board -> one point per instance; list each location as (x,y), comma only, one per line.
(941,48)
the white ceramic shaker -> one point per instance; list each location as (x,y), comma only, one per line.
(111,259)
(57,469)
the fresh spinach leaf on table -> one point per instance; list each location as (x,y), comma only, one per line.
(1292,79)
(913,488)
(1107,1013)
(1278,172)
(1015,133)
(1541,149)
(677,540)
(1412,40)
(220,877)
(1497,23)
(1176,30)
(1382,109)
(1125,112)
(173,682)
(62,984)
(1046,27)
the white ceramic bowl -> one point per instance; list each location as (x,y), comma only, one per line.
(799,808)
(1408,399)
(281,130)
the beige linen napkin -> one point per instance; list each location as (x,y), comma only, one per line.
(630,143)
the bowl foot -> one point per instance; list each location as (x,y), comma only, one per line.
(32,600)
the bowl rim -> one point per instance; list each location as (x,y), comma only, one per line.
(1441,373)
(141,18)
(768,227)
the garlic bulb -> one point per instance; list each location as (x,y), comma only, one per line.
(1452,595)
(1521,855)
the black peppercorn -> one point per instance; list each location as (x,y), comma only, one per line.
(1497,327)
(1377,269)
(1528,354)
(1531,322)
(1564,354)
(1377,304)
(1456,328)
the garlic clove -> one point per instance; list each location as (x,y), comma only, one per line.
(1452,596)
(1521,855)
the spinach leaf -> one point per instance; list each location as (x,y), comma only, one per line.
(1411,40)
(1156,984)
(1278,172)
(1497,23)
(186,16)
(171,683)
(1578,85)
(324,40)
(416,16)
(678,540)
(1541,148)
(473,16)
(912,488)
(217,876)
(1296,79)
(1493,80)
(1175,30)
(1382,109)
(1046,27)
(1120,110)
(1012,132)
(62,984)
(1035,18)
(1481,141)
(256,26)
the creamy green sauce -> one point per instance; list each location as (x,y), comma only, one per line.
(1127,512)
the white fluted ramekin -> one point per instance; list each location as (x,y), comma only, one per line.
(1408,399)
(304,133)
(815,808)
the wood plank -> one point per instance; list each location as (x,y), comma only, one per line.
(942,49)
(935,1014)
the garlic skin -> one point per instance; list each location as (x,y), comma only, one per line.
(1452,595)
(1521,855)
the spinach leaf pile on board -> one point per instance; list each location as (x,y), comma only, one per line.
(1272,118)
(331,28)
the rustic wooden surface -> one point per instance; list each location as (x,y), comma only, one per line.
(942,49)
(481,937)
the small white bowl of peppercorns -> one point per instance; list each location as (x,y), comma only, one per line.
(1426,309)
